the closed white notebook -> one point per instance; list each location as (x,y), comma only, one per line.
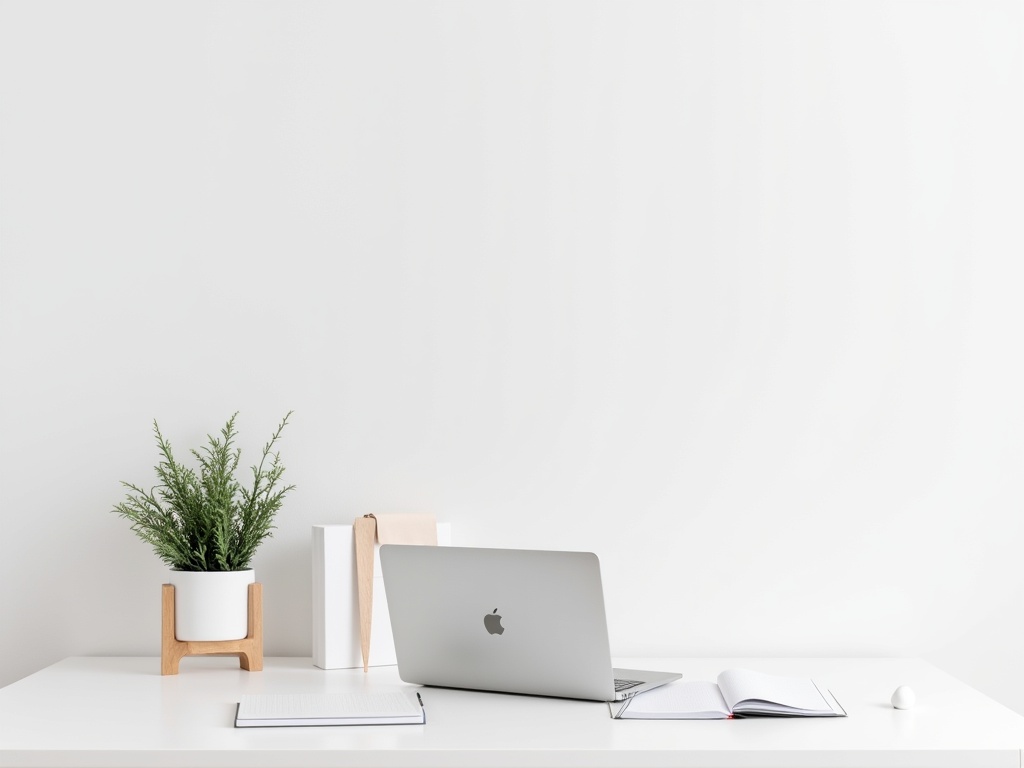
(384,707)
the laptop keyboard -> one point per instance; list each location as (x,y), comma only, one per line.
(621,685)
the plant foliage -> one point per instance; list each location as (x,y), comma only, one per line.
(207,521)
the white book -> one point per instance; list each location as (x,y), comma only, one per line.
(738,693)
(384,707)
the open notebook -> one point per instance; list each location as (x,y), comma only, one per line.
(738,693)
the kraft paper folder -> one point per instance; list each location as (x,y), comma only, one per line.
(387,529)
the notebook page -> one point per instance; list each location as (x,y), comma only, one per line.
(680,700)
(742,684)
(381,704)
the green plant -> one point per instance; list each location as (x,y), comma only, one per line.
(207,521)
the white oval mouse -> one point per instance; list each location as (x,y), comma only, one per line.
(903,697)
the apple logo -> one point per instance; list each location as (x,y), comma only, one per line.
(492,621)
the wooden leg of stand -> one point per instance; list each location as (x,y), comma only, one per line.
(251,658)
(171,650)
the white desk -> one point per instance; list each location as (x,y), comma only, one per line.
(114,712)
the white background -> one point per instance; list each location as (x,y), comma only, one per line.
(728,293)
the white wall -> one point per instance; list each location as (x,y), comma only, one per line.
(725,292)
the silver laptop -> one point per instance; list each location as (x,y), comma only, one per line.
(509,620)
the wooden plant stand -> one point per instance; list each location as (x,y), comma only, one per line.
(249,649)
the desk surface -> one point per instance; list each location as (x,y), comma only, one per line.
(114,712)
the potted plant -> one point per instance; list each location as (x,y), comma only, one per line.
(206,527)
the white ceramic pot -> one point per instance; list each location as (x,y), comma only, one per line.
(211,605)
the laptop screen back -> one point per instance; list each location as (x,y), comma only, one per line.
(518,621)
